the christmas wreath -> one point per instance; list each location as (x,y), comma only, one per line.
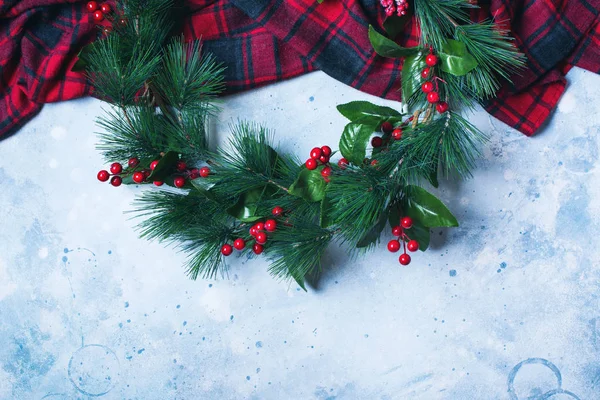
(251,198)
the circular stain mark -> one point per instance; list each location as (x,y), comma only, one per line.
(94,369)
(534,380)
(56,396)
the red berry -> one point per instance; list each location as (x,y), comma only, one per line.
(397,230)
(116,181)
(257,248)
(260,226)
(91,6)
(98,15)
(433,97)
(153,164)
(277,211)
(342,163)
(441,107)
(204,172)
(253,231)
(194,173)
(270,225)
(239,244)
(103,176)
(387,127)
(158,183)
(427,87)
(393,245)
(431,60)
(316,153)
(412,245)
(181,166)
(138,177)
(374,163)
(116,168)
(226,250)
(404,259)
(123,21)
(105,8)
(406,222)
(324,159)
(133,162)
(326,150)
(376,141)
(311,163)
(179,182)
(425,73)
(146,173)
(397,134)
(326,172)
(261,238)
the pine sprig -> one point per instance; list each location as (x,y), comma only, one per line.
(187,80)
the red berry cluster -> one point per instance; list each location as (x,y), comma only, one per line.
(322,155)
(394,244)
(98,11)
(428,87)
(141,175)
(258,232)
(400,7)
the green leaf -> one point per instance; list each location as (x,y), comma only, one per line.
(411,75)
(245,208)
(455,59)
(309,185)
(165,166)
(428,209)
(368,113)
(81,64)
(325,213)
(354,140)
(419,233)
(373,234)
(433,178)
(388,48)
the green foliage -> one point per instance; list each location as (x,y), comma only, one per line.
(187,80)
(354,140)
(309,185)
(411,78)
(455,59)
(427,209)
(388,48)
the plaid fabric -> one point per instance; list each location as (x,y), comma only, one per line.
(263,41)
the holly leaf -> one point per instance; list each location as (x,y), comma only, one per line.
(368,113)
(373,234)
(411,75)
(247,204)
(82,63)
(354,140)
(388,48)
(309,185)
(419,233)
(428,209)
(455,59)
(166,165)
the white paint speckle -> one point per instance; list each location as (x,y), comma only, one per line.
(58,132)
(43,252)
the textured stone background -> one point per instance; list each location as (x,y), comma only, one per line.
(504,307)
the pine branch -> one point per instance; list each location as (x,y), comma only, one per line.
(187,81)
(297,250)
(439,19)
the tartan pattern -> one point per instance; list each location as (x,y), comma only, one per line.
(264,41)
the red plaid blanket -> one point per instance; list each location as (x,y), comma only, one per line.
(263,41)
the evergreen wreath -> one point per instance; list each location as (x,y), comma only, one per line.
(251,197)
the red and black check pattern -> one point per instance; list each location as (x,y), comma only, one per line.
(264,41)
